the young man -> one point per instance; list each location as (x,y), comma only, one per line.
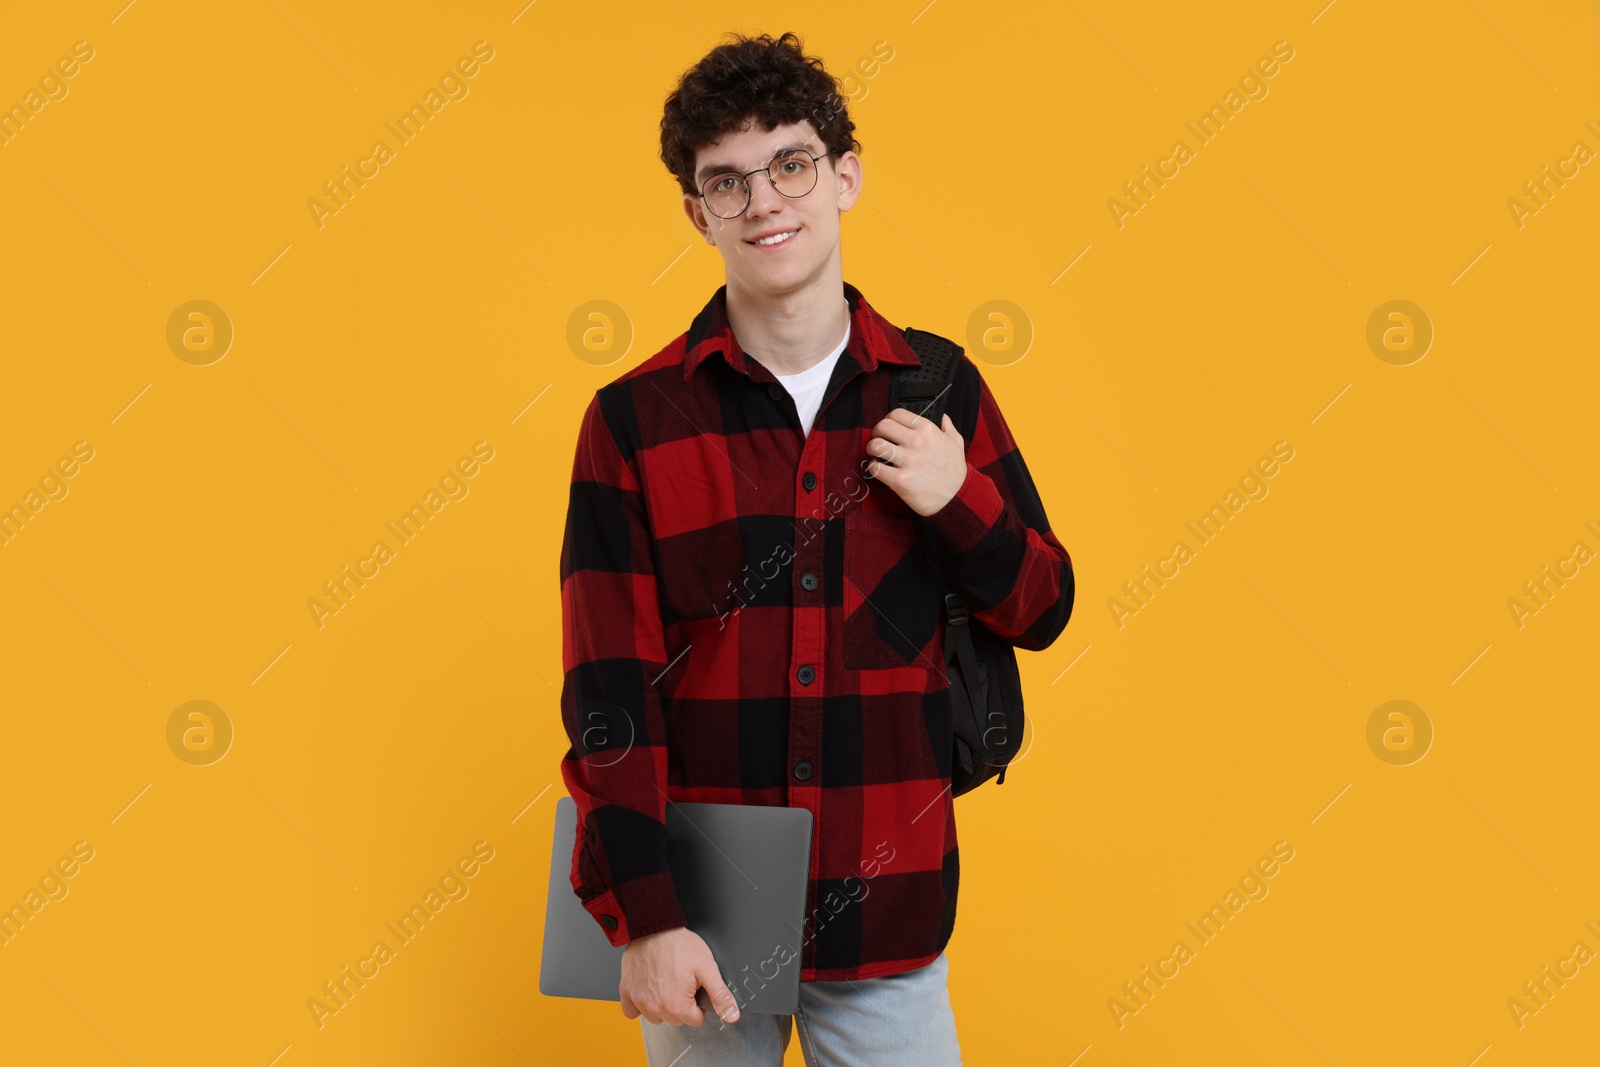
(749,611)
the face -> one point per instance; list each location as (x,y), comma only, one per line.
(814,218)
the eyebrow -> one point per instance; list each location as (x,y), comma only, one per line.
(717,168)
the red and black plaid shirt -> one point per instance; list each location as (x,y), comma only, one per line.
(747,619)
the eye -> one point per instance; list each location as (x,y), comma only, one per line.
(724,183)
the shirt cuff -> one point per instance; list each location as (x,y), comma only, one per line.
(970,515)
(642,906)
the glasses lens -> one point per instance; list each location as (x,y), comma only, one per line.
(794,174)
(725,195)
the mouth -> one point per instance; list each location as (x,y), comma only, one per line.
(777,240)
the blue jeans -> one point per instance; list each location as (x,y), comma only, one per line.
(902,1020)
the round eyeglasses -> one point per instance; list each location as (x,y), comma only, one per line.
(792,173)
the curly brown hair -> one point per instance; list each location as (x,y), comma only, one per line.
(772,82)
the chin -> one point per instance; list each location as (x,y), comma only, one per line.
(780,278)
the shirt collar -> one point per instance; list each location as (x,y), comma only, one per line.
(873,339)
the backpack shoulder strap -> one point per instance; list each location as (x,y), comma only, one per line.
(925,389)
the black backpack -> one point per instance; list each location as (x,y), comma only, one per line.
(985,685)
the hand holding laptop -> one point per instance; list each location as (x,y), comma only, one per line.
(740,872)
(671,976)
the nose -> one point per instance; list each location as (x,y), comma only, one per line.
(763,196)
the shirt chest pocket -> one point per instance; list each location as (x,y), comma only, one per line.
(892,603)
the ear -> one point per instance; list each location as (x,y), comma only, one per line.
(697,216)
(847,169)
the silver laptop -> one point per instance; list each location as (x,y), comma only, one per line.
(740,872)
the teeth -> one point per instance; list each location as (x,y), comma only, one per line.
(776,239)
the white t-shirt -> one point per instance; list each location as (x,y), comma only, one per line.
(807,387)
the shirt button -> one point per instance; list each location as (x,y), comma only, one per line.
(809,481)
(808,581)
(608,921)
(776,391)
(805,674)
(802,770)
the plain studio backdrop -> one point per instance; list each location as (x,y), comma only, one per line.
(192,478)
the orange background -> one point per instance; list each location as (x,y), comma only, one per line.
(371,753)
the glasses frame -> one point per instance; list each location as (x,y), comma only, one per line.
(749,191)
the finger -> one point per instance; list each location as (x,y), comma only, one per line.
(905,416)
(628,1009)
(720,999)
(688,1013)
(879,471)
(702,1000)
(882,450)
(897,426)
(646,1014)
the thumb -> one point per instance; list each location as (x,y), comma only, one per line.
(727,1008)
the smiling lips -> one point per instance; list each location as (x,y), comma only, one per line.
(775,240)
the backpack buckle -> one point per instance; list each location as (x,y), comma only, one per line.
(956,609)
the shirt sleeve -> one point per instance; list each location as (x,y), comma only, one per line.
(612,653)
(1013,572)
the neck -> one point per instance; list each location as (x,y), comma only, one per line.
(789,332)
